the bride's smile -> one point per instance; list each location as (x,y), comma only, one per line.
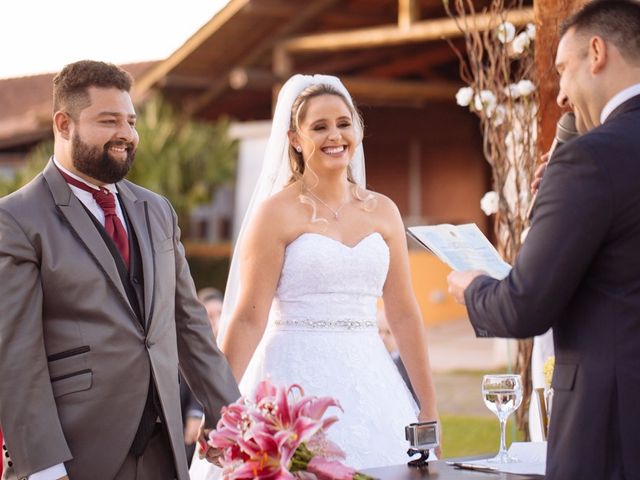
(327,135)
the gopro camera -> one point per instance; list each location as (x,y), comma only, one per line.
(422,437)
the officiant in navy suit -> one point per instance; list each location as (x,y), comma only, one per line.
(579,269)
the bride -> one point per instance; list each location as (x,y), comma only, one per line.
(316,251)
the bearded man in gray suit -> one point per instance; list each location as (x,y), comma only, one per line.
(579,269)
(98,305)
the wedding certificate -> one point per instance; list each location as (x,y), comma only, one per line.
(462,247)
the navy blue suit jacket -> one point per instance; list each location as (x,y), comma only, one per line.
(579,272)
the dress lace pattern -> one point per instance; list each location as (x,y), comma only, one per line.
(322,334)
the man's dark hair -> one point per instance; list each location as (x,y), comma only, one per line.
(616,21)
(70,86)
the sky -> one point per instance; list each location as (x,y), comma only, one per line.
(41,36)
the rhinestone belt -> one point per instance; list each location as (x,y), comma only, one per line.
(313,324)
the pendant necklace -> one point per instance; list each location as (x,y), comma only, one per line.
(334,211)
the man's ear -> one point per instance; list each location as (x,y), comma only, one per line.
(62,123)
(598,54)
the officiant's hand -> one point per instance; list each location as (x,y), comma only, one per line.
(459,281)
(539,173)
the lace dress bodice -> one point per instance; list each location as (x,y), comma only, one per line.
(326,284)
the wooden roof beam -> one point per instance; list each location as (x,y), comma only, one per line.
(367,89)
(185,82)
(427,30)
(147,81)
(304,15)
(251,79)
(421,63)
(408,13)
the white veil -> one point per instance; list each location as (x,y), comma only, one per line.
(276,172)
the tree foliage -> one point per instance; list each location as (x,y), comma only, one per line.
(183,159)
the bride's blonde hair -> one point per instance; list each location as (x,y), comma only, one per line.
(296,160)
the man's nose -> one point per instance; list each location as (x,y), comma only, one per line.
(562,100)
(126,132)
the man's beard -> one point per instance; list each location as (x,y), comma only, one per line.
(98,164)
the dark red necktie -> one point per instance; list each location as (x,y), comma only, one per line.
(112,224)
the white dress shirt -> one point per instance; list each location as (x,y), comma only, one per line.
(618,99)
(87,199)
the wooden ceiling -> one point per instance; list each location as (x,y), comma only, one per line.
(388,52)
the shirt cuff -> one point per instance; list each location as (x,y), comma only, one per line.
(195,413)
(51,473)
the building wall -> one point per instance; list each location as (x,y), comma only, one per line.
(430,163)
(440,145)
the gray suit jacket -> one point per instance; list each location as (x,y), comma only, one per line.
(74,360)
(579,272)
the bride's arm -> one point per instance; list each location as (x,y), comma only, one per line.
(261,260)
(403,313)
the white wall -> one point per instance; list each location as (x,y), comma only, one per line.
(253,138)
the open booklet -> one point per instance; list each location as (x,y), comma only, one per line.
(462,247)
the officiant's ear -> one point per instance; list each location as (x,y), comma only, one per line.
(598,54)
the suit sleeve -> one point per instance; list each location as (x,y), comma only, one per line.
(202,364)
(28,414)
(573,214)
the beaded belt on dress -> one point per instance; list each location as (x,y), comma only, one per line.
(317,324)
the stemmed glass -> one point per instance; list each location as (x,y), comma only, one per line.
(502,395)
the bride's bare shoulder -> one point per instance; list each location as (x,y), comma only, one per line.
(380,203)
(281,203)
(280,214)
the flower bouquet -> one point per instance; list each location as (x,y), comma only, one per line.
(280,434)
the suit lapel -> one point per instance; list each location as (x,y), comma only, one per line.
(139,221)
(83,228)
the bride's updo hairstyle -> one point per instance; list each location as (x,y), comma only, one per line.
(296,159)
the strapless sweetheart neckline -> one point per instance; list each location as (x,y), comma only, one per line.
(334,240)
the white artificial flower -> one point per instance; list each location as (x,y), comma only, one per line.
(485,101)
(489,203)
(520,43)
(500,115)
(464,96)
(526,88)
(512,90)
(531,31)
(506,31)
(513,138)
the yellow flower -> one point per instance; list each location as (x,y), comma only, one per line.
(547,369)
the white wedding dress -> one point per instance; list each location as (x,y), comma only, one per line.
(322,334)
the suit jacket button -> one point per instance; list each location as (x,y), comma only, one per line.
(136,280)
(148,343)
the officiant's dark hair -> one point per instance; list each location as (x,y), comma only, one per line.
(71,85)
(616,21)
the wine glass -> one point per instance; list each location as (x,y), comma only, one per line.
(502,395)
